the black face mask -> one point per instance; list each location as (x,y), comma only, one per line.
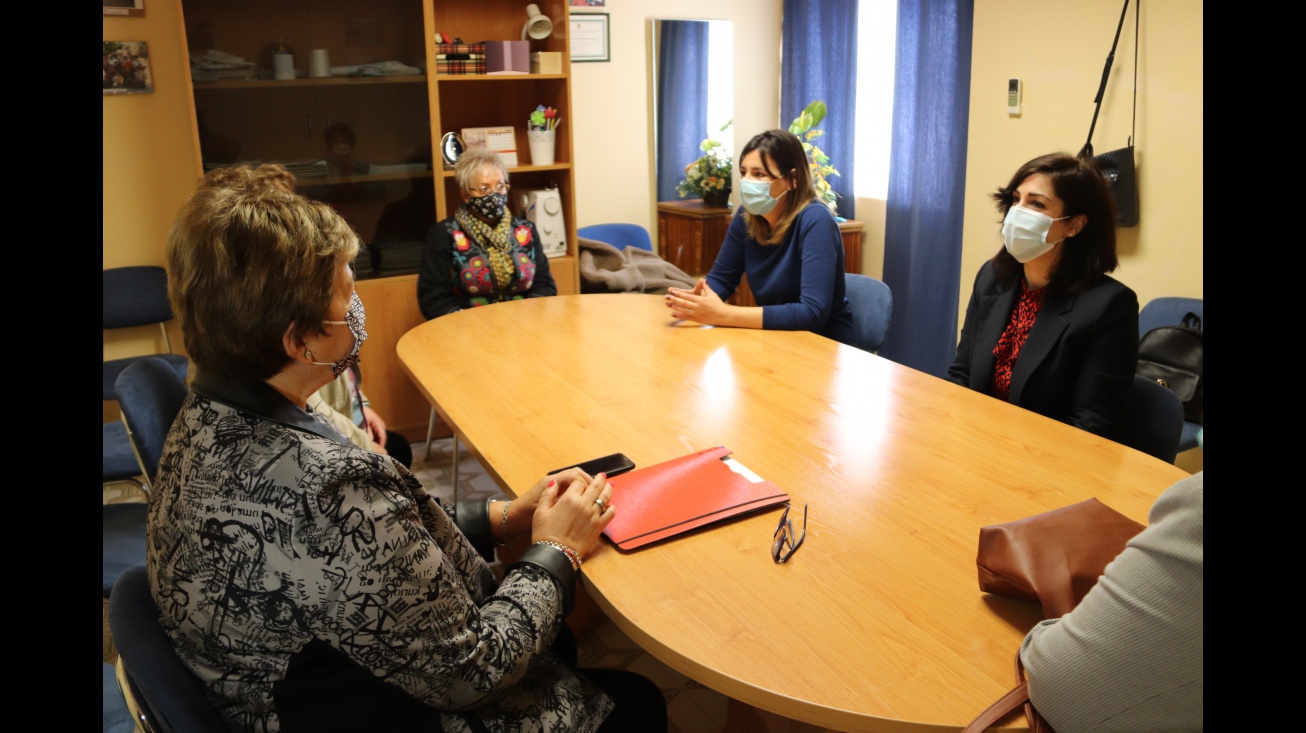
(489,208)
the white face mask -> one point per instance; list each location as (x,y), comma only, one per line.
(756,196)
(1025,233)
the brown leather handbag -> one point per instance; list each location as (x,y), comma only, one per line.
(1053,559)
(1019,695)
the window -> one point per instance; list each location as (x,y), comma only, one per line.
(877,35)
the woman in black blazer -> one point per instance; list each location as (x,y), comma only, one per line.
(1046,328)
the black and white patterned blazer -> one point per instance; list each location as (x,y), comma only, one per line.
(311,584)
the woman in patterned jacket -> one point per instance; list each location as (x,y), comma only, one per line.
(313,585)
(482,254)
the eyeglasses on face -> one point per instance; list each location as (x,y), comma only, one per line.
(786,543)
(499,187)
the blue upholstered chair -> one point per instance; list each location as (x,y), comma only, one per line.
(1156,420)
(150,394)
(124,539)
(120,462)
(167,695)
(618,235)
(1170,311)
(1166,311)
(137,296)
(872,305)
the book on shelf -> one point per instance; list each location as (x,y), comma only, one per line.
(470,66)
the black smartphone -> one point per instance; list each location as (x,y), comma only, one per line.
(613,465)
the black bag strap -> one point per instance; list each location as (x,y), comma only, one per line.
(1192,320)
(1087,150)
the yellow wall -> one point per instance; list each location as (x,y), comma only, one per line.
(1059,51)
(150,165)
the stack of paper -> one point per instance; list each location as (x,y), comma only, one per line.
(384,68)
(216,65)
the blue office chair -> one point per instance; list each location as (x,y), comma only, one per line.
(618,235)
(160,689)
(1155,421)
(150,395)
(1166,312)
(872,305)
(137,296)
(1170,311)
(120,464)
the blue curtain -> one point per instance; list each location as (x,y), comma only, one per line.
(818,60)
(927,177)
(682,101)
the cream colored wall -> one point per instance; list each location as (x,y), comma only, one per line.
(149,162)
(613,103)
(1059,52)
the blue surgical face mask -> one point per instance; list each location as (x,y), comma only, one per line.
(756,196)
(355,318)
(1025,233)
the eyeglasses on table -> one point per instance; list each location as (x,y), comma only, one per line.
(786,542)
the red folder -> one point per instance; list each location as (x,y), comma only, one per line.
(670,498)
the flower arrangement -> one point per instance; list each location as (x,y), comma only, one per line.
(804,126)
(708,177)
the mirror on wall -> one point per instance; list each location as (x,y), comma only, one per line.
(693,93)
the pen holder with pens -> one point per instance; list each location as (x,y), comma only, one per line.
(541,134)
(542,146)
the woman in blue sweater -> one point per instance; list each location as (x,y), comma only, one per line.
(788,244)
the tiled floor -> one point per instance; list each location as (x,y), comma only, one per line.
(691,708)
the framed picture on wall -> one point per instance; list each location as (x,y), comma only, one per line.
(127,68)
(589,37)
(134,8)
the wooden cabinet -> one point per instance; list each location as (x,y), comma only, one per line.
(391,186)
(690,233)
(690,236)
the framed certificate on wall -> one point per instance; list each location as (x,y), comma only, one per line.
(589,36)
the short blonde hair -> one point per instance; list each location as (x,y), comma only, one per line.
(247,259)
(470,163)
(238,176)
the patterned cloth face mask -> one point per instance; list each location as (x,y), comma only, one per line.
(1025,233)
(354,319)
(489,208)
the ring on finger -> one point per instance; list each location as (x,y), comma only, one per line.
(602,506)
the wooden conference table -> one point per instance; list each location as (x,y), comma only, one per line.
(877,623)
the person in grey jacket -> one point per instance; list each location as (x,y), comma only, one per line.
(1129,656)
(310,584)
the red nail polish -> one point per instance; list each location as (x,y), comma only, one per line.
(551,483)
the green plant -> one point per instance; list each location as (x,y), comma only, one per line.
(710,172)
(804,126)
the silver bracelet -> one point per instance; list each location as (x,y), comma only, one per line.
(504,540)
(572,556)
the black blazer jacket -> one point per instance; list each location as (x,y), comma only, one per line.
(1077,364)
